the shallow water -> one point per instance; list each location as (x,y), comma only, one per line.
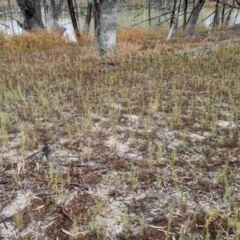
(124,19)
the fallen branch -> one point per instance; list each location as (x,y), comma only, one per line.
(64,213)
(207,47)
(4,220)
(160,229)
(75,234)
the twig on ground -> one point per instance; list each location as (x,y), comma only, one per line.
(66,214)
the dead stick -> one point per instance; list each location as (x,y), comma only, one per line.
(64,213)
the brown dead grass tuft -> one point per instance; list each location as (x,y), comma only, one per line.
(85,39)
(128,48)
(136,34)
(42,41)
(31,42)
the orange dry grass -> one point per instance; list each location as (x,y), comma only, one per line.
(127,48)
(85,39)
(31,42)
(134,34)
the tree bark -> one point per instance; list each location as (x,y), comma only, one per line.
(88,17)
(194,18)
(230,13)
(174,18)
(216,15)
(174,8)
(31,11)
(185,14)
(73,18)
(223,12)
(105,24)
(51,13)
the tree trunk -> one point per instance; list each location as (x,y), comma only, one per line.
(31,11)
(174,19)
(223,12)
(51,13)
(216,15)
(230,13)
(49,18)
(194,18)
(105,24)
(88,18)
(185,14)
(73,18)
(174,8)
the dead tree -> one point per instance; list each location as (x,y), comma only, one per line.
(73,18)
(52,11)
(31,11)
(185,14)
(216,14)
(88,17)
(230,13)
(174,9)
(194,17)
(174,18)
(223,12)
(105,16)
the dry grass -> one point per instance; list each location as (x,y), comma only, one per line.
(136,34)
(158,133)
(30,42)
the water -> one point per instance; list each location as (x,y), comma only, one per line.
(124,19)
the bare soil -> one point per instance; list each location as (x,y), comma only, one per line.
(145,148)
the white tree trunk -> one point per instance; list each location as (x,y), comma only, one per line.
(107,26)
(175,20)
(51,16)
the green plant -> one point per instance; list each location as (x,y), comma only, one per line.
(132,176)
